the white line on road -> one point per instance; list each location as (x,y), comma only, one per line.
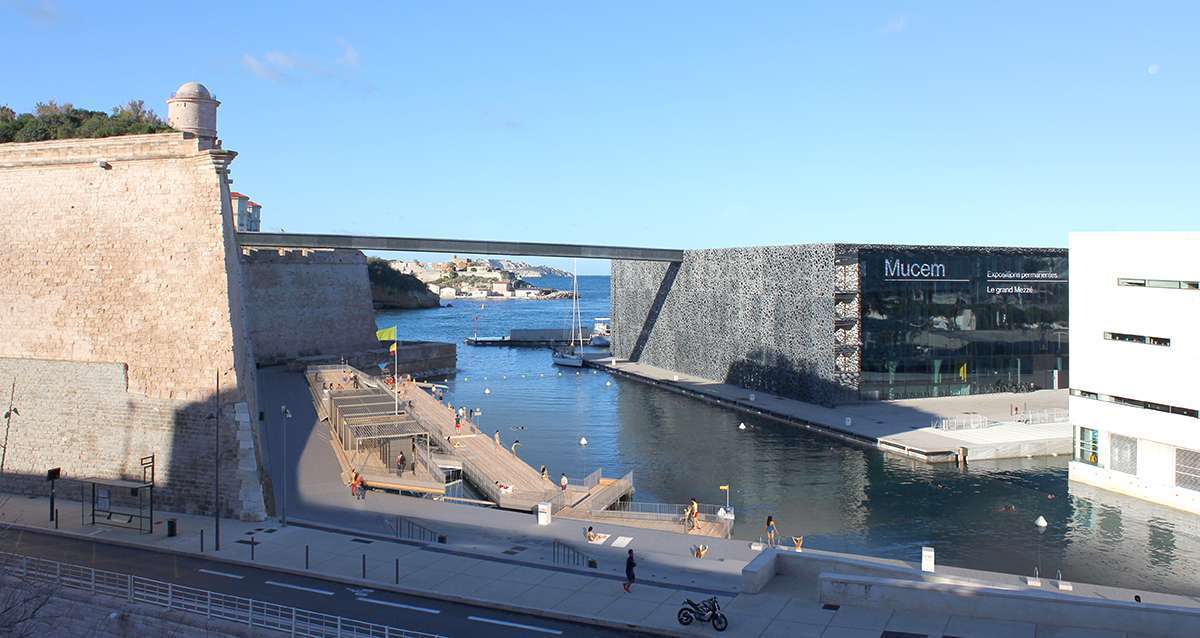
(513,624)
(299,588)
(216,573)
(424,610)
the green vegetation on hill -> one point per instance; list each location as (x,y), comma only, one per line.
(391,288)
(52,121)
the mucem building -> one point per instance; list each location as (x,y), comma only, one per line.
(832,323)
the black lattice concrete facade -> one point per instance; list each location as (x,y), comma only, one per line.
(780,319)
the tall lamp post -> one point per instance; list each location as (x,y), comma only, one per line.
(8,415)
(216,417)
(287,418)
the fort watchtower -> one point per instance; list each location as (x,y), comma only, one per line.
(193,110)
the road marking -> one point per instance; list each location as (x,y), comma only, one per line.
(622,541)
(216,573)
(513,624)
(424,610)
(299,588)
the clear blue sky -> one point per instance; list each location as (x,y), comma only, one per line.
(685,124)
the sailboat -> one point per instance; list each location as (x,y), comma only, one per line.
(570,355)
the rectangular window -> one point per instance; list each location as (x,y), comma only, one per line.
(1087,449)
(1187,468)
(1138,283)
(1131,338)
(1190,285)
(1185,412)
(1123,454)
(1161,283)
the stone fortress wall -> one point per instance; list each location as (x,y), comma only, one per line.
(308,302)
(762,318)
(123,308)
(128,302)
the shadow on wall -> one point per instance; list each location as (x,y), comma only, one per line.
(771,371)
(660,298)
(111,439)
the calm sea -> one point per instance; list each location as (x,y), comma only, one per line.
(839,496)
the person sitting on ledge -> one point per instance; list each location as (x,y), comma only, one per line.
(591,535)
(699,550)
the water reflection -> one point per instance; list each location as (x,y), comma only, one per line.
(840,496)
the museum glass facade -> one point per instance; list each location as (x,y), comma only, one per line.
(949,321)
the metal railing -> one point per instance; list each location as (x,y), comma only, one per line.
(564,554)
(664,511)
(402,527)
(244,611)
(587,482)
(1042,417)
(965,422)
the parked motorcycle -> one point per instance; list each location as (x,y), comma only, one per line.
(704,611)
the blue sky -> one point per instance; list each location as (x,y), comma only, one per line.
(673,124)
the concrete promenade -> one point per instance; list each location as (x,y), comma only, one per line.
(901,427)
(792,603)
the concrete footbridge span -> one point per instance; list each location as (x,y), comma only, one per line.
(464,246)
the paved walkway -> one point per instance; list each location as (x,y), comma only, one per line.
(531,584)
(901,426)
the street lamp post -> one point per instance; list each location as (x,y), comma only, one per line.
(8,415)
(287,418)
(216,417)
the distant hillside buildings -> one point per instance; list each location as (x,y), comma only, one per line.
(476,279)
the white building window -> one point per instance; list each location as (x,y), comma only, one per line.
(1187,469)
(1123,454)
(1087,446)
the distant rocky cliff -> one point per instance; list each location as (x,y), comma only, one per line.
(524,270)
(393,289)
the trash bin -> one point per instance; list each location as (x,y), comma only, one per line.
(172,530)
(543,513)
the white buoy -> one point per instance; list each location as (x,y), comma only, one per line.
(593,372)
(504,376)
(560,374)
(1041,521)
(608,383)
(466,378)
(541,374)
(487,390)
(741,426)
(583,440)
(577,373)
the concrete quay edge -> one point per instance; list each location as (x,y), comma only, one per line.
(359,582)
(932,457)
(436,547)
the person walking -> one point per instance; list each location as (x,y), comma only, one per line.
(772,531)
(562,482)
(497,437)
(694,514)
(629,577)
(354,484)
(362,488)
(400,463)
(545,474)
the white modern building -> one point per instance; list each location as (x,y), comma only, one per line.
(1135,358)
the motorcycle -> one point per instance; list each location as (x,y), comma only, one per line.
(704,611)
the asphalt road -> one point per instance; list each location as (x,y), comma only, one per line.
(314,594)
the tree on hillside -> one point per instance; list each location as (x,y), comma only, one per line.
(53,121)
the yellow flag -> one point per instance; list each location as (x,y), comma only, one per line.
(387,334)
(724,488)
(392,350)
(962,372)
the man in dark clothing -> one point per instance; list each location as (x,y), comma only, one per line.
(400,463)
(629,565)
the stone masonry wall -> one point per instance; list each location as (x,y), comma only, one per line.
(121,252)
(761,318)
(304,303)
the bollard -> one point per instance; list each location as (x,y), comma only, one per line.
(397,571)
(364,565)
(306,557)
(56,518)
(252,547)
(201,540)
